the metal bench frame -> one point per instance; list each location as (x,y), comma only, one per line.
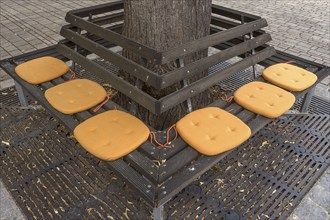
(159,174)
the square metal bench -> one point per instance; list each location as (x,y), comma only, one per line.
(159,174)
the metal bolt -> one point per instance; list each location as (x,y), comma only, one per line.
(192,91)
(164,192)
(147,77)
(140,48)
(163,187)
(162,58)
(130,92)
(257,42)
(152,153)
(184,50)
(163,106)
(151,173)
(149,186)
(148,191)
(188,71)
(191,168)
(163,82)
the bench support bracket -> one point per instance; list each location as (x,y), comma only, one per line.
(307,100)
(21,95)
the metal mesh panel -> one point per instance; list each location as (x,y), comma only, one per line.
(51,176)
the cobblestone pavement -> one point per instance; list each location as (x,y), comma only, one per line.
(300,27)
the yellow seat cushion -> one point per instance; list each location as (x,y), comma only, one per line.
(211,130)
(75,96)
(112,134)
(41,70)
(289,77)
(264,99)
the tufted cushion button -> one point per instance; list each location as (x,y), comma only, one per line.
(293,78)
(211,137)
(232,129)
(41,70)
(110,141)
(129,132)
(260,103)
(80,95)
(106,143)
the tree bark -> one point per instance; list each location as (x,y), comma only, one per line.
(163,24)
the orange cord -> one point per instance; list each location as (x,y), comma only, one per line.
(166,145)
(154,139)
(103,103)
(227,99)
(290,61)
(73,74)
(168,134)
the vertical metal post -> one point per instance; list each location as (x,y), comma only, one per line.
(253,52)
(250,37)
(158,213)
(21,95)
(307,100)
(138,84)
(76,47)
(244,36)
(184,83)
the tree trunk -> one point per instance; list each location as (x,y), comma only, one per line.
(163,24)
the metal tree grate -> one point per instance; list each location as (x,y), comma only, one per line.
(263,179)
(9,97)
(50,176)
